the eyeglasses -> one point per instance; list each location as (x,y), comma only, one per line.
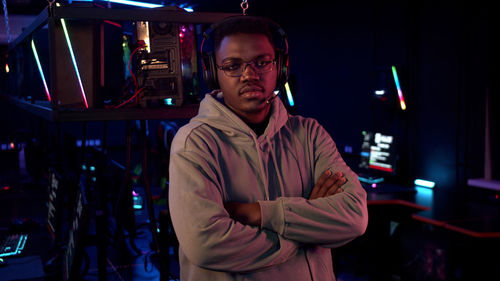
(235,68)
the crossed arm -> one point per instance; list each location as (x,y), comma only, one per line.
(249,213)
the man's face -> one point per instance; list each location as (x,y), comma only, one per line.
(247,94)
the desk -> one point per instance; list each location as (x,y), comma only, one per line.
(441,234)
(377,254)
(398,205)
(455,211)
(462,212)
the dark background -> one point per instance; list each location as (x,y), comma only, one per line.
(340,53)
(443,53)
(341,50)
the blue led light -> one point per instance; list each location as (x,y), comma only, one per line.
(169,101)
(425,183)
(136,3)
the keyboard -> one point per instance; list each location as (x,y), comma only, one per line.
(13,244)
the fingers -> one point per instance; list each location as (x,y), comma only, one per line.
(337,185)
(319,188)
(324,177)
(328,184)
(333,184)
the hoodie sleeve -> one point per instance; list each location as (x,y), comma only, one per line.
(207,235)
(329,221)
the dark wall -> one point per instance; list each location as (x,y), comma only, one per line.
(440,49)
(338,49)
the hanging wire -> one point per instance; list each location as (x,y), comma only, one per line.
(244,6)
(6,16)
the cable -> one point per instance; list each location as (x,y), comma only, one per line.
(6,16)
(126,188)
(149,197)
(137,92)
(87,264)
(142,44)
(114,269)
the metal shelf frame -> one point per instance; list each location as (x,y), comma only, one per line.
(49,18)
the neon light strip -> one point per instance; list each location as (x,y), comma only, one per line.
(126,2)
(63,22)
(289,94)
(425,183)
(113,23)
(22,242)
(400,92)
(370,180)
(381,168)
(35,53)
(136,3)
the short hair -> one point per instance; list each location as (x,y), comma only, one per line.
(241,24)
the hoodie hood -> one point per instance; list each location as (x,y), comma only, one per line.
(214,113)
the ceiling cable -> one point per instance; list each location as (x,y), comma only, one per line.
(6,16)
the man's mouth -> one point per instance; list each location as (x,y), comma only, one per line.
(251,91)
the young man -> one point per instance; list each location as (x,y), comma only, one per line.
(255,193)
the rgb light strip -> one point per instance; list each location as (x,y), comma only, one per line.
(136,3)
(35,53)
(75,65)
(289,94)
(425,183)
(400,92)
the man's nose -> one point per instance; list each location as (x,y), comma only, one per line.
(249,72)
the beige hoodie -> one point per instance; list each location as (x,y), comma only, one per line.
(217,158)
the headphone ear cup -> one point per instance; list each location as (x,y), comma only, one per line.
(210,71)
(282,68)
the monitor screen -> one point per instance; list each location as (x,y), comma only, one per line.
(378,153)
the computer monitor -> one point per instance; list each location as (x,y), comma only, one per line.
(378,157)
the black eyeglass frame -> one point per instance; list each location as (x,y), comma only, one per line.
(245,64)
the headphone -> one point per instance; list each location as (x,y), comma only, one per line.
(281,55)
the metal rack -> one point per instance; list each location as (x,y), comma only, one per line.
(53,110)
(56,108)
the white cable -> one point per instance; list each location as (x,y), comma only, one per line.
(6,16)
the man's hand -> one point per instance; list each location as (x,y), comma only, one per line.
(249,213)
(246,213)
(328,184)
